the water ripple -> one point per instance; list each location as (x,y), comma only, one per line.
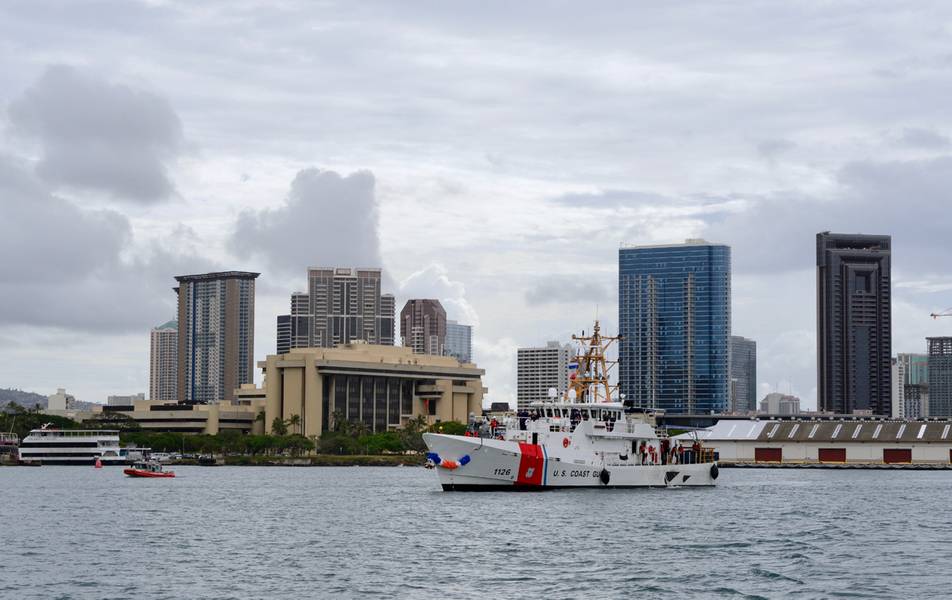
(389,533)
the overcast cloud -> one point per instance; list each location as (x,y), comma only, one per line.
(492,155)
(97,135)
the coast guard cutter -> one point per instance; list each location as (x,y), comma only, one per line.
(583,438)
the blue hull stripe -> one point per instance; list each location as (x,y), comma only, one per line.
(545,466)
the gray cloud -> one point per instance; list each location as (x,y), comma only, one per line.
(927,139)
(53,240)
(558,289)
(611,199)
(772,148)
(98,135)
(908,200)
(62,265)
(326,219)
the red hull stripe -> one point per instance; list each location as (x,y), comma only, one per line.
(531,464)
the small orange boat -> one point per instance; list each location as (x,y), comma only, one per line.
(147,469)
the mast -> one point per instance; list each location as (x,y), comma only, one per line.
(590,381)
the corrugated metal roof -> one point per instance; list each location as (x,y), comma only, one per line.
(827,431)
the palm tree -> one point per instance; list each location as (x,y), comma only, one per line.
(295,423)
(279,427)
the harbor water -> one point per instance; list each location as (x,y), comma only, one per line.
(246,532)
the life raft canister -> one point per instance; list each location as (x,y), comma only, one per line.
(565,442)
(604,476)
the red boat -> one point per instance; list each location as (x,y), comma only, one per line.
(147,470)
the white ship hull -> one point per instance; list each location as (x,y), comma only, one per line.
(513,465)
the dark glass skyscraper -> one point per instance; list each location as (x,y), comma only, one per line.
(674,316)
(940,376)
(854,345)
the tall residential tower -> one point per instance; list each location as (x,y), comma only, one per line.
(743,375)
(163,363)
(216,335)
(940,376)
(854,345)
(540,369)
(674,317)
(423,326)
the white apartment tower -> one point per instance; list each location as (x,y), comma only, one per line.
(163,363)
(540,369)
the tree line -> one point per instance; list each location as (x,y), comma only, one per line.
(343,438)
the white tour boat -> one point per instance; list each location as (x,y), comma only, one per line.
(582,439)
(51,446)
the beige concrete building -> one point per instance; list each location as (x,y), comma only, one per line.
(381,386)
(194,418)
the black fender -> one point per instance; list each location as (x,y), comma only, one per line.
(604,476)
(714,471)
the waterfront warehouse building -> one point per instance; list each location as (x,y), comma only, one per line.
(674,316)
(163,362)
(381,386)
(541,369)
(854,345)
(940,376)
(216,335)
(870,441)
(743,375)
(423,326)
(459,341)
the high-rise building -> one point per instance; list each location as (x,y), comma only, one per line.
(897,373)
(853,323)
(423,326)
(915,367)
(294,330)
(910,373)
(343,305)
(216,335)
(915,398)
(540,369)
(674,316)
(459,341)
(283,337)
(776,403)
(743,375)
(163,363)
(940,376)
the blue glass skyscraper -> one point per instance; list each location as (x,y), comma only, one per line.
(674,317)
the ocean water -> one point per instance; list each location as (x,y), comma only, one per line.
(244,532)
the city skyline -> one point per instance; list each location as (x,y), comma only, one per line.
(522,226)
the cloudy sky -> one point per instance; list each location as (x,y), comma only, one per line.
(490,154)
